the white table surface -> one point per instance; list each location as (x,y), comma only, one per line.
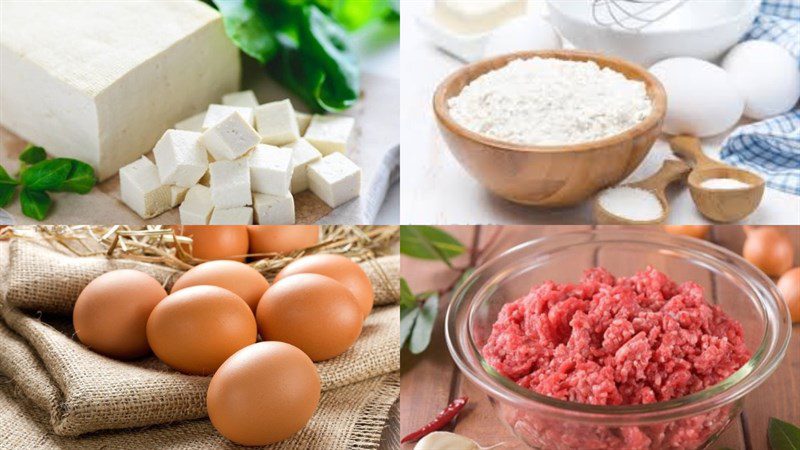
(437,190)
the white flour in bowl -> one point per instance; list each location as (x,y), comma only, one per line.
(548,101)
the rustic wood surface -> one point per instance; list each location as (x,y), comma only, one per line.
(431,380)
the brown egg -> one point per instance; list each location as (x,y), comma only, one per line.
(282,238)
(110,315)
(341,269)
(312,312)
(263,394)
(236,277)
(197,328)
(212,242)
(769,249)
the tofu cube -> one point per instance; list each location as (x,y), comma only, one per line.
(277,123)
(176,195)
(216,113)
(303,120)
(329,133)
(303,154)
(194,123)
(270,169)
(246,99)
(242,215)
(230,138)
(197,206)
(142,190)
(274,209)
(334,179)
(230,184)
(180,158)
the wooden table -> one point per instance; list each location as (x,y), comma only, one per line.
(430,381)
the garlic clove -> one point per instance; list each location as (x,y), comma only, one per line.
(442,440)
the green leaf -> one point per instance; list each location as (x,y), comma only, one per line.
(407,298)
(248,27)
(783,435)
(32,154)
(426,242)
(354,14)
(8,185)
(408,316)
(81,178)
(46,175)
(423,326)
(35,204)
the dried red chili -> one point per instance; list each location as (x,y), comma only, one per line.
(442,419)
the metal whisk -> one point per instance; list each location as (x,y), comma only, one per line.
(632,15)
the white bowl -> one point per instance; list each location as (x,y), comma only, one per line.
(700,29)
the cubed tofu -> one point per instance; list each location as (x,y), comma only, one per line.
(142,190)
(329,133)
(277,123)
(274,209)
(216,113)
(180,158)
(230,184)
(303,154)
(194,123)
(230,138)
(334,179)
(197,206)
(303,119)
(242,215)
(270,169)
(176,195)
(243,98)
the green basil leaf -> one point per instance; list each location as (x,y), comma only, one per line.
(8,185)
(423,326)
(46,175)
(248,27)
(406,296)
(35,204)
(80,179)
(426,242)
(32,154)
(408,317)
(783,435)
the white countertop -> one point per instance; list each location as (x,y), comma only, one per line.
(437,190)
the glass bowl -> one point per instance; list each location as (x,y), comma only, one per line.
(690,422)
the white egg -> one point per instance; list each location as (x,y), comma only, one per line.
(529,32)
(766,76)
(702,99)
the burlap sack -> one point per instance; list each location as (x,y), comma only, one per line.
(81,391)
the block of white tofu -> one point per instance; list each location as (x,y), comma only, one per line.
(274,209)
(242,98)
(270,169)
(181,158)
(230,138)
(329,133)
(230,183)
(277,123)
(242,215)
(303,154)
(197,206)
(176,195)
(334,179)
(303,119)
(216,113)
(142,190)
(193,123)
(471,17)
(102,81)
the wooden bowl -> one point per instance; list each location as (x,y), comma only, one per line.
(558,175)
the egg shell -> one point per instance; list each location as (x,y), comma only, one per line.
(315,313)
(341,269)
(234,276)
(263,394)
(195,329)
(702,99)
(766,75)
(282,238)
(110,314)
(212,242)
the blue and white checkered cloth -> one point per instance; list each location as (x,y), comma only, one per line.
(771,147)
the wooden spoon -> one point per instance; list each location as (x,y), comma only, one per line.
(722,205)
(657,183)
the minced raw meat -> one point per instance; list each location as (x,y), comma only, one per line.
(616,341)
